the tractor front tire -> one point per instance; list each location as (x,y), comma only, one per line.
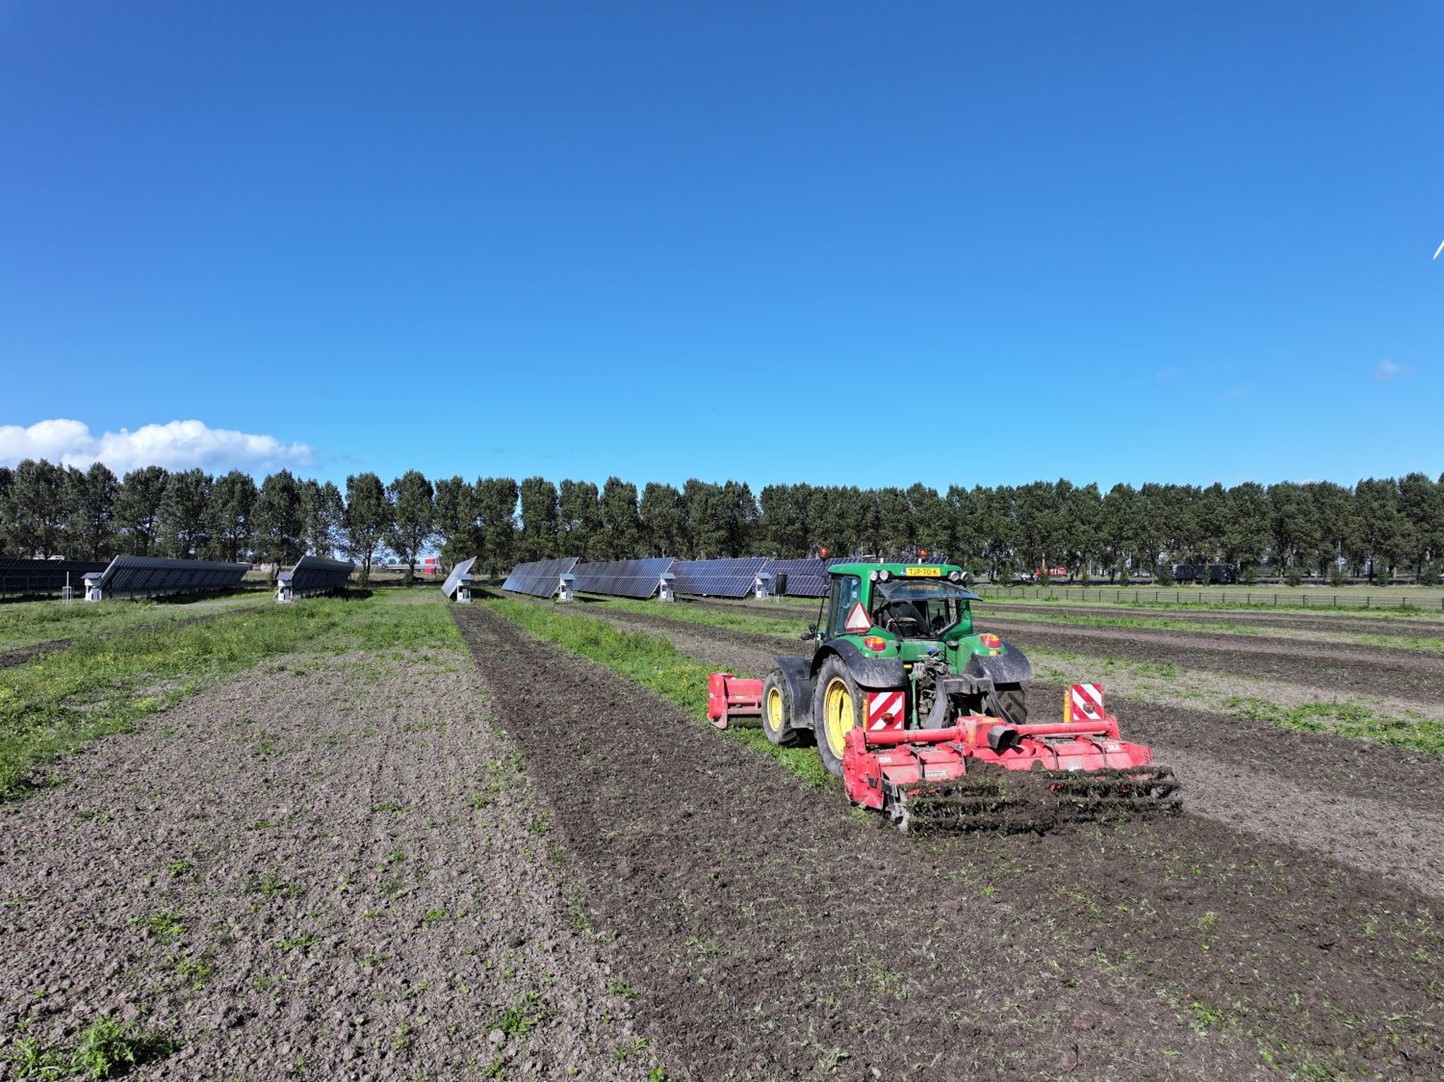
(777,710)
(837,707)
(1009,703)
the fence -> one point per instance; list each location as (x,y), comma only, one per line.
(1224,597)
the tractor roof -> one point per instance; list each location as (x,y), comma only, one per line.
(902,571)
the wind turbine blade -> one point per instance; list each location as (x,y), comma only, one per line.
(1439,249)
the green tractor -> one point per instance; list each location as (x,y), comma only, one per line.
(888,632)
(926,721)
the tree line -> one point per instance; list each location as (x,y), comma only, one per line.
(1286,529)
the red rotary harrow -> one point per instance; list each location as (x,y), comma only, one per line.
(983,771)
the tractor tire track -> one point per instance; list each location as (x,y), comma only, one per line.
(774,934)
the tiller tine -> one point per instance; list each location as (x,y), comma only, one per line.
(995,799)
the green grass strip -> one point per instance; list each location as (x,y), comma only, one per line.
(30,623)
(104,684)
(1346,719)
(655,663)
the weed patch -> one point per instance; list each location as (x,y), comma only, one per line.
(104,1049)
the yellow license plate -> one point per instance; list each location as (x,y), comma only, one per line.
(925,572)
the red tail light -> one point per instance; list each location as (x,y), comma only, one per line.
(876,643)
(989,642)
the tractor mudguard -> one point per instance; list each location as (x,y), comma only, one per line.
(1006,668)
(797,671)
(867,670)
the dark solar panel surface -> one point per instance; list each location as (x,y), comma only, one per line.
(718,578)
(146,575)
(539,578)
(316,574)
(44,576)
(622,578)
(805,578)
(453,580)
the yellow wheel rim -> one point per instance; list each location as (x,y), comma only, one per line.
(838,715)
(772,710)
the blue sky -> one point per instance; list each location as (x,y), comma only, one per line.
(825,242)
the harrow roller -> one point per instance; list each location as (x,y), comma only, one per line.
(1013,801)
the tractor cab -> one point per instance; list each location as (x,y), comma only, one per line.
(897,609)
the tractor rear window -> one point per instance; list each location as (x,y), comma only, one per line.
(913,609)
(845,591)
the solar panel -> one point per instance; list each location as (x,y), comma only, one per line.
(453,580)
(317,575)
(622,578)
(44,576)
(718,578)
(147,576)
(539,578)
(805,578)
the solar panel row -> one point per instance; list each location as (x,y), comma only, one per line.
(44,576)
(718,578)
(623,578)
(317,575)
(706,578)
(799,578)
(539,578)
(147,576)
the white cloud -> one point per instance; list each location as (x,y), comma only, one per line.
(177,445)
(1387,370)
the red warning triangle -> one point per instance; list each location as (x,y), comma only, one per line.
(857,619)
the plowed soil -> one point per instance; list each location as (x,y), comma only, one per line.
(772,933)
(1358,803)
(329,868)
(1399,674)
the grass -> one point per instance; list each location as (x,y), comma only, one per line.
(105,683)
(31,623)
(1346,719)
(655,663)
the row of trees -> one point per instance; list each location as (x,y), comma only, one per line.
(1287,528)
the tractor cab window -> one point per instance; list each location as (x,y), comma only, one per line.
(928,609)
(845,591)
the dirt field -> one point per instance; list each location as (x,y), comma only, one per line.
(1324,793)
(328,868)
(1224,945)
(514,863)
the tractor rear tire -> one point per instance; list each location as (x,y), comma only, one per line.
(777,710)
(1009,703)
(837,707)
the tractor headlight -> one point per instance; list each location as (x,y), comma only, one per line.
(953,576)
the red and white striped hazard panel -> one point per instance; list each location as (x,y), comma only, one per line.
(1085,702)
(884,709)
